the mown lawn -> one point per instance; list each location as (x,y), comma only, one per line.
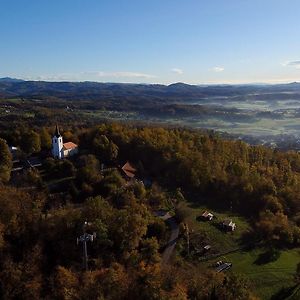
(268,279)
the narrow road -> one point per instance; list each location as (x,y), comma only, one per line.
(170,246)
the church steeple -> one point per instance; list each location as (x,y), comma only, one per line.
(57,133)
(57,144)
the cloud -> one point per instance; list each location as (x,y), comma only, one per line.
(218,69)
(91,75)
(53,77)
(122,74)
(177,71)
(295,64)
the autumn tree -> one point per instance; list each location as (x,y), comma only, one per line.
(30,142)
(65,284)
(105,149)
(45,137)
(5,161)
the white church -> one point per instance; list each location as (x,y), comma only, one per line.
(60,149)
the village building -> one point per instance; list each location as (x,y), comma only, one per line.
(128,171)
(227,224)
(60,149)
(207,216)
(14,151)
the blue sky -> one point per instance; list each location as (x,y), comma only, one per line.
(157,41)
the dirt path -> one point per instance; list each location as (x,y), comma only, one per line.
(170,246)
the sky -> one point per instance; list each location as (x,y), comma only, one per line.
(151,41)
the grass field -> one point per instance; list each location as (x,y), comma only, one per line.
(210,231)
(268,279)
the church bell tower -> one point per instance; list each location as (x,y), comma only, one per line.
(57,144)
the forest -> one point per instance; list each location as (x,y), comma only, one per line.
(45,209)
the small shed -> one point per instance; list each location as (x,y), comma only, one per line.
(223,267)
(207,247)
(207,216)
(228,225)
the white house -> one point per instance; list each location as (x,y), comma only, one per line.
(59,148)
(207,216)
(228,225)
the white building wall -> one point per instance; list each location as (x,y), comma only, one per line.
(57,145)
(70,152)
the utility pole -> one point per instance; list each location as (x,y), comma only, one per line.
(86,237)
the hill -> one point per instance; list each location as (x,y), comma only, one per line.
(151,92)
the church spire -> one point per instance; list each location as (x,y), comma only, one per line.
(57,133)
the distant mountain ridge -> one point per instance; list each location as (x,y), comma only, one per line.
(11,87)
(9,79)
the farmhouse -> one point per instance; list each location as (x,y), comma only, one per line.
(227,224)
(60,149)
(207,216)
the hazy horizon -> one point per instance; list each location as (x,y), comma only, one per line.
(157,83)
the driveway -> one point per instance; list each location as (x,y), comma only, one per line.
(170,246)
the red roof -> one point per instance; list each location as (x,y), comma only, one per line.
(129,170)
(69,146)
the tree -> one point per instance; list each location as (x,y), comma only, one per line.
(116,282)
(45,137)
(182,213)
(30,177)
(112,182)
(105,149)
(89,170)
(31,142)
(157,229)
(5,161)
(149,251)
(67,168)
(65,284)
(129,227)
(235,287)
(274,228)
(22,279)
(148,283)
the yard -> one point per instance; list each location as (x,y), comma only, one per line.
(271,279)
(209,232)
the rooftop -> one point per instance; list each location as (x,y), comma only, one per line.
(69,146)
(129,170)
